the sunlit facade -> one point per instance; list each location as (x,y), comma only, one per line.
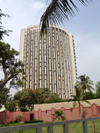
(49,61)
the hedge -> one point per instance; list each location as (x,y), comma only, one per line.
(33,121)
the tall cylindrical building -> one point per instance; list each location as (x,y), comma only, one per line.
(49,60)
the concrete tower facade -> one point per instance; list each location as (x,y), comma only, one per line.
(49,60)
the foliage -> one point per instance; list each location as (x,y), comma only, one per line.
(9,64)
(89,95)
(18,118)
(47,96)
(58,115)
(57,11)
(23,109)
(45,92)
(84,83)
(25,98)
(5,124)
(2,30)
(11,121)
(38,94)
(34,121)
(4,96)
(54,100)
(78,97)
(98,89)
(15,121)
(11,105)
(28,97)
(17,95)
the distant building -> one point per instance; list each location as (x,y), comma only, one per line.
(49,61)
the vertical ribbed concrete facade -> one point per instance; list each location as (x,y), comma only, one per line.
(49,60)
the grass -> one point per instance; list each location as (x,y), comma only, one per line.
(73,128)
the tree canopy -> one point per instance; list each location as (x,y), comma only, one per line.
(2,30)
(89,95)
(29,97)
(98,89)
(84,83)
(9,64)
(4,96)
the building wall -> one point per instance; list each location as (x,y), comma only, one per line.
(66,105)
(92,110)
(49,60)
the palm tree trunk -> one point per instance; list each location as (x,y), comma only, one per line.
(80,109)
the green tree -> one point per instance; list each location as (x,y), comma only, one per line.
(11,105)
(2,30)
(46,96)
(9,64)
(89,95)
(58,115)
(53,100)
(39,98)
(45,92)
(84,83)
(4,96)
(78,97)
(17,96)
(98,89)
(27,98)
(57,11)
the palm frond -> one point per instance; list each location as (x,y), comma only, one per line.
(74,104)
(57,11)
(86,101)
(63,118)
(90,88)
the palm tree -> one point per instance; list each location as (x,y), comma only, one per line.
(57,11)
(97,85)
(78,97)
(58,115)
(84,83)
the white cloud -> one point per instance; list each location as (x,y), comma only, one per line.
(38,5)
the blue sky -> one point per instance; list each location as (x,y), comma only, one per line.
(85,27)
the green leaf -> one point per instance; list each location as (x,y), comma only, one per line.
(74,104)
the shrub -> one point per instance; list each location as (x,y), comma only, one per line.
(5,124)
(58,115)
(15,121)
(18,118)
(23,109)
(11,106)
(34,121)
(53,100)
(11,121)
